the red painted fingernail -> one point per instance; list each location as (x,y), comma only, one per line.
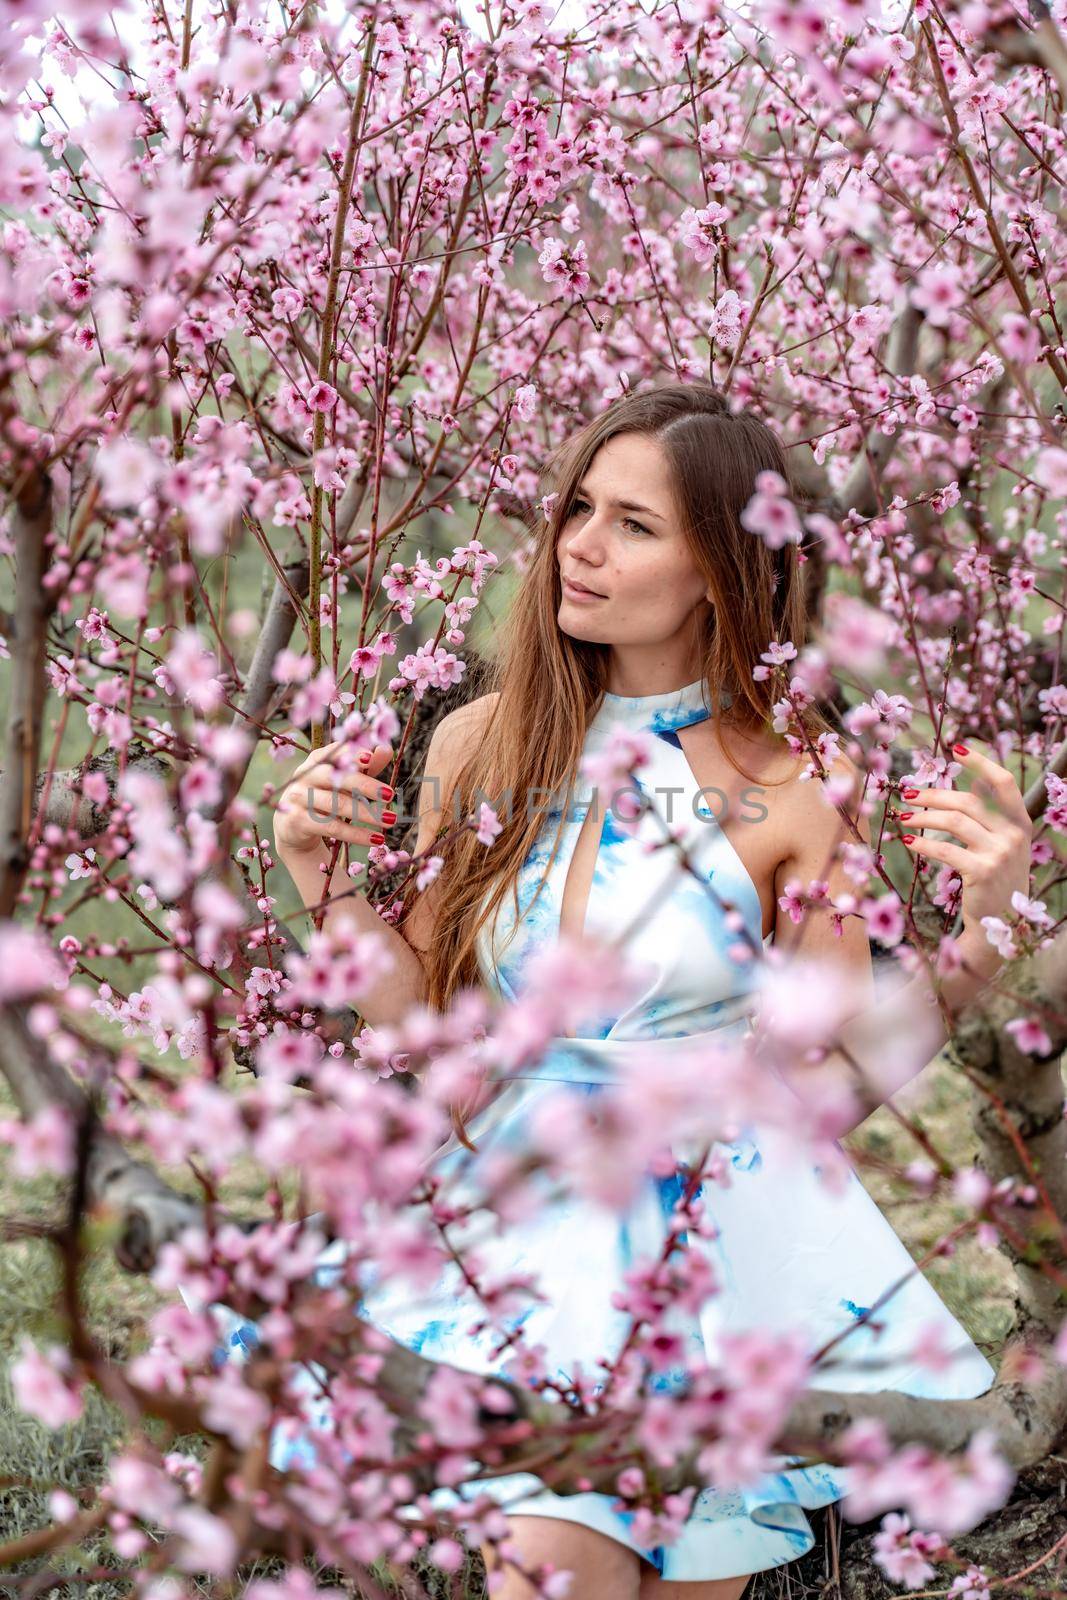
(364,757)
(910,794)
(388,817)
(377,838)
(962,749)
(904,815)
(909,838)
(385,792)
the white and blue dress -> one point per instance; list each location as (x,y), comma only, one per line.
(789,1253)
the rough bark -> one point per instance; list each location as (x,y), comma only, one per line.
(1024,1112)
(147,1210)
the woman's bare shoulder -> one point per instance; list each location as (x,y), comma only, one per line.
(761,751)
(452,738)
(465,722)
(812,803)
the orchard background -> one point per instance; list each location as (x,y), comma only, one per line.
(296,300)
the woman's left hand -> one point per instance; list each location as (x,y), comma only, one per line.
(993,860)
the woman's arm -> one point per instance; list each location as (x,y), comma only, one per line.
(303,832)
(886,1041)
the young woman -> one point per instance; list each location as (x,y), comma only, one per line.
(645,605)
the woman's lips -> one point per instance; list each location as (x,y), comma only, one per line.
(574,593)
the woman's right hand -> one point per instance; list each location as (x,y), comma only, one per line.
(327,797)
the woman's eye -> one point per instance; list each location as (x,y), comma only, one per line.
(628,522)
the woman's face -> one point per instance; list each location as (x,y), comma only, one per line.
(633,555)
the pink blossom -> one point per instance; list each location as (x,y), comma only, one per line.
(803,1003)
(793,25)
(191,1333)
(286,301)
(938,292)
(124,584)
(931,1350)
(447,1554)
(700,232)
(884,917)
(430,869)
(868,324)
(1034,911)
(321,397)
(62,676)
(202,1118)
(206,1543)
(338,966)
(42,1385)
(364,660)
(291,666)
(792,901)
(219,915)
(62,1507)
(160,855)
(666,1428)
(778,653)
(1030,1036)
(311,702)
(28,963)
(770,512)
(138,1485)
(767,1368)
(565,265)
(489,825)
(856,636)
(726,319)
(1019,338)
(972,1187)
(287,1056)
(902,1554)
(526,401)
(194,671)
(128,472)
(43,1144)
(974,1584)
(429,667)
(610,770)
(956,1495)
(1000,936)
(1050,471)
(230,1407)
(866,1441)
(200,786)
(949,955)
(449,1404)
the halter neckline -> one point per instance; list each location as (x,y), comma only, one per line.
(688,694)
(670,708)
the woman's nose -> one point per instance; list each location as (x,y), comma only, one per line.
(585,540)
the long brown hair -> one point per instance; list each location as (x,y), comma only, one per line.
(550,684)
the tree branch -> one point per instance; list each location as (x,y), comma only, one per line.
(31,524)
